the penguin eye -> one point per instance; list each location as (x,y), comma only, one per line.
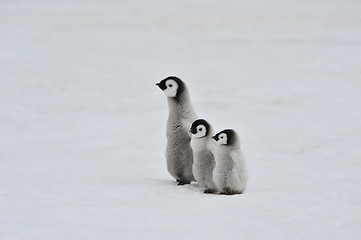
(221,137)
(200,129)
(170,85)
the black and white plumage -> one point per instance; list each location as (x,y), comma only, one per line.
(179,154)
(204,163)
(230,174)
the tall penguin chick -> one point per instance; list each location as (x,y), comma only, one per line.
(179,154)
(204,163)
(230,174)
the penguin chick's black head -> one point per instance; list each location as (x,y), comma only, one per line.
(230,134)
(200,125)
(166,84)
(161,85)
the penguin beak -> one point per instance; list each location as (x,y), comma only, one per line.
(161,86)
(215,138)
(193,129)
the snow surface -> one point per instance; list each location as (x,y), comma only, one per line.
(83,126)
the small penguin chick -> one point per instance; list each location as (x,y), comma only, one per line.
(226,137)
(202,146)
(179,153)
(230,174)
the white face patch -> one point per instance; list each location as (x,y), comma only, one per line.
(172,88)
(222,139)
(201,131)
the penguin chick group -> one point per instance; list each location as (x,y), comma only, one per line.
(194,153)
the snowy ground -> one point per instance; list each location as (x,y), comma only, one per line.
(83,126)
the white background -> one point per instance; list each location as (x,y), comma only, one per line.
(82,125)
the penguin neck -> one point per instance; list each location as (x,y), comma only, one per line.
(199,144)
(181,106)
(225,149)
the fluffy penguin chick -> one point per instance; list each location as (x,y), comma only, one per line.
(179,154)
(230,174)
(202,145)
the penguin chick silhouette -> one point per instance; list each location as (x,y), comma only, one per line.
(202,145)
(230,174)
(179,154)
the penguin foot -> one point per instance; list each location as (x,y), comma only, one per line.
(182,182)
(229,192)
(209,191)
(226,193)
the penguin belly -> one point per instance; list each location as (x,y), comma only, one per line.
(203,167)
(222,174)
(179,154)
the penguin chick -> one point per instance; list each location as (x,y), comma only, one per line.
(230,174)
(202,146)
(179,154)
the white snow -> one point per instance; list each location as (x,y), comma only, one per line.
(82,125)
